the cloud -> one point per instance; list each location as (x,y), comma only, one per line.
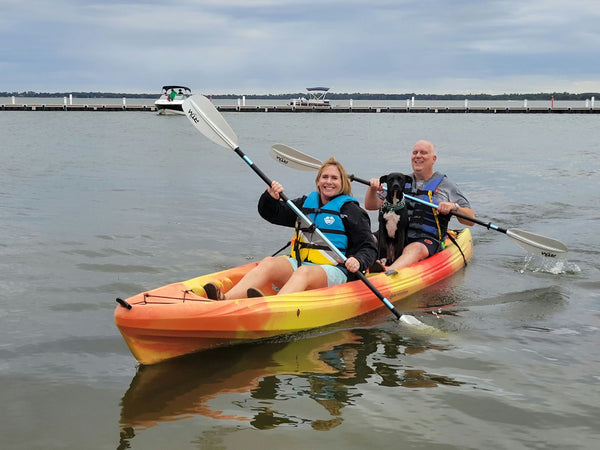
(283,46)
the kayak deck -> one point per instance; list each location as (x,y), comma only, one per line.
(178,319)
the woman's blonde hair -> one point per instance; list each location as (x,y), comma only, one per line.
(346,186)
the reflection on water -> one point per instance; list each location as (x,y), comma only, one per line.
(252,383)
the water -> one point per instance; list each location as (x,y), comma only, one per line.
(95,206)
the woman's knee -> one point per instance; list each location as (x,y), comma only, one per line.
(270,262)
(311,276)
(275,268)
(304,271)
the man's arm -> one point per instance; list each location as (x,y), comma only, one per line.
(372,200)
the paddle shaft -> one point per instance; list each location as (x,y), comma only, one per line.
(209,121)
(547,247)
(531,242)
(300,214)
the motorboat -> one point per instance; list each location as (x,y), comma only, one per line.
(316,97)
(171,99)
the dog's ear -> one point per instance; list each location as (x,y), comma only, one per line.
(383,179)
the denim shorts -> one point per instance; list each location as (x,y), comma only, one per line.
(335,275)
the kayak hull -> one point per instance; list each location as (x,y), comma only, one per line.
(178,319)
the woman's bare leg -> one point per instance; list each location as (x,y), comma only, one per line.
(304,278)
(276,270)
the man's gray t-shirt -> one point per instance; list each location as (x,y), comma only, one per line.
(447,190)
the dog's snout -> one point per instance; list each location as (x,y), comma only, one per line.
(395,182)
(396,186)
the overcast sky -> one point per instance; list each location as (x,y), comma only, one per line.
(282,46)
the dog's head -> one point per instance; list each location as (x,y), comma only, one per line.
(395,185)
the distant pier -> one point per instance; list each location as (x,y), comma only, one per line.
(45,107)
(412,109)
(322,109)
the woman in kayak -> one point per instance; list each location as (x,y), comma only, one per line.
(312,264)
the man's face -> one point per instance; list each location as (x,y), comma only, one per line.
(422,158)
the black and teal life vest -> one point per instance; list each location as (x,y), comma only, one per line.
(423,218)
(307,244)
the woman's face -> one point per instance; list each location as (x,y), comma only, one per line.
(330,183)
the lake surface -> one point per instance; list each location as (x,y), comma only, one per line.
(95,206)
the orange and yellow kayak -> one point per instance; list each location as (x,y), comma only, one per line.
(178,319)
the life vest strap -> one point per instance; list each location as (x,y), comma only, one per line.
(312,229)
(437,221)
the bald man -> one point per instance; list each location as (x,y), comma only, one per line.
(427,226)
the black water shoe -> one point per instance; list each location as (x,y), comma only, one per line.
(253,293)
(213,292)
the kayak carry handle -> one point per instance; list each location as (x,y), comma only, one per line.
(123,303)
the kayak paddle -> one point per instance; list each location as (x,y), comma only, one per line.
(209,121)
(531,242)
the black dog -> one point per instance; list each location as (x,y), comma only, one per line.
(393,218)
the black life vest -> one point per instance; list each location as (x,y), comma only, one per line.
(423,218)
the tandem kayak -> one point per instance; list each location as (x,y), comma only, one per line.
(178,319)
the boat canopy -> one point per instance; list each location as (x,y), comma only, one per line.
(166,88)
(316,97)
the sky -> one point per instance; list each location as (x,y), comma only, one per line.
(284,46)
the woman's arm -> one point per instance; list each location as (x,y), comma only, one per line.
(276,211)
(361,243)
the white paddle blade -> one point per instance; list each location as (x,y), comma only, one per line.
(209,121)
(536,244)
(294,159)
(416,325)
